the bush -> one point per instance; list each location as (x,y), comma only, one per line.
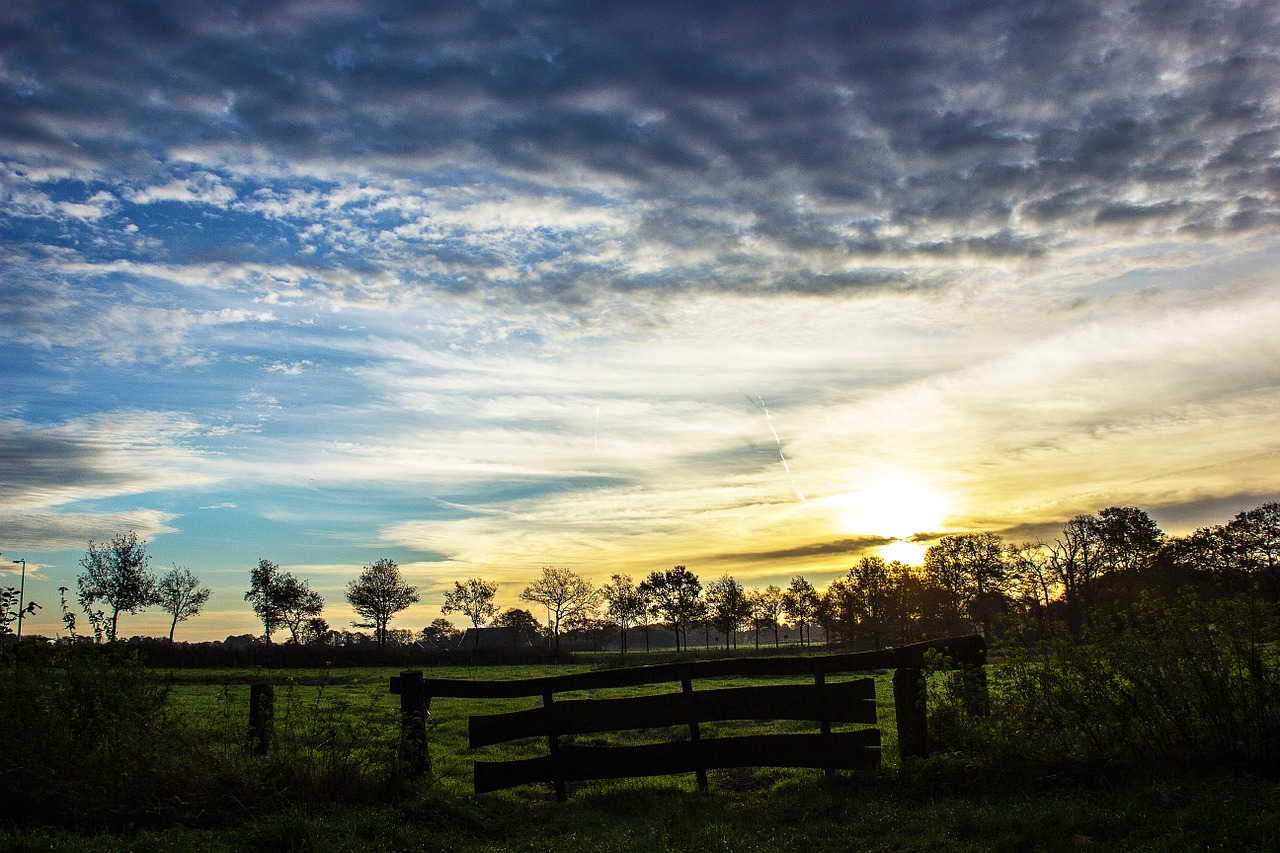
(1191,685)
(88,738)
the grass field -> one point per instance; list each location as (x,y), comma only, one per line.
(331,783)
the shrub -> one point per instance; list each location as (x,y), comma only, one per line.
(1170,687)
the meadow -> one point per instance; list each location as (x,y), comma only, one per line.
(123,757)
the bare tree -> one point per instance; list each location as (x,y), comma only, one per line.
(181,595)
(378,595)
(568,597)
(117,573)
(472,598)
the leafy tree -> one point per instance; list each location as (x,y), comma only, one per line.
(1254,537)
(442,633)
(728,606)
(676,596)
(522,622)
(1076,561)
(624,604)
(800,604)
(269,591)
(568,597)
(378,595)
(314,631)
(299,604)
(767,609)
(472,598)
(181,595)
(119,574)
(972,569)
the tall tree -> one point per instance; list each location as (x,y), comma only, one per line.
(181,595)
(767,604)
(676,596)
(1254,537)
(800,604)
(299,605)
(472,598)
(1076,561)
(972,569)
(378,595)
(624,604)
(269,589)
(728,606)
(568,597)
(119,574)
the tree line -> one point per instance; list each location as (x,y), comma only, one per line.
(1098,563)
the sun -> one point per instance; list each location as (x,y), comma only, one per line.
(895,505)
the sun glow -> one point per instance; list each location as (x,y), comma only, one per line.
(895,505)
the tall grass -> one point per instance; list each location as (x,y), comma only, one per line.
(1183,686)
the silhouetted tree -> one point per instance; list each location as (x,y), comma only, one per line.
(800,604)
(568,597)
(442,633)
(728,606)
(766,607)
(117,573)
(676,596)
(267,589)
(1076,560)
(298,604)
(472,598)
(522,622)
(181,595)
(378,595)
(972,569)
(624,604)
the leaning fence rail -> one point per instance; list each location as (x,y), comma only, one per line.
(819,702)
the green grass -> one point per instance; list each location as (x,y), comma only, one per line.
(331,784)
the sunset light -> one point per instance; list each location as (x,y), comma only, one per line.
(759,289)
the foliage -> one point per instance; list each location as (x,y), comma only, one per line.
(1173,686)
(800,604)
(675,595)
(278,598)
(728,606)
(569,598)
(181,595)
(625,605)
(473,599)
(117,573)
(378,595)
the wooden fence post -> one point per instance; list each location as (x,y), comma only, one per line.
(262,713)
(553,747)
(695,736)
(414,701)
(910,710)
(824,725)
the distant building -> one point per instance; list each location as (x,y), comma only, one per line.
(493,638)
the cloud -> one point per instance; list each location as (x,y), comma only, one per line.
(125,453)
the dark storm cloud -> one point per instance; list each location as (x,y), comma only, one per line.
(833,132)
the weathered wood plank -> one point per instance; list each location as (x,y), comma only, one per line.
(842,702)
(856,750)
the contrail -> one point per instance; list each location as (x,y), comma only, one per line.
(785,466)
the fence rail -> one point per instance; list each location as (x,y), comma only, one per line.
(823,703)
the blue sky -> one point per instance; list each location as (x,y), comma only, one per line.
(758,288)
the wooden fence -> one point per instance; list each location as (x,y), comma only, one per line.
(819,702)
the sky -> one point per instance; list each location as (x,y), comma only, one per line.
(759,288)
